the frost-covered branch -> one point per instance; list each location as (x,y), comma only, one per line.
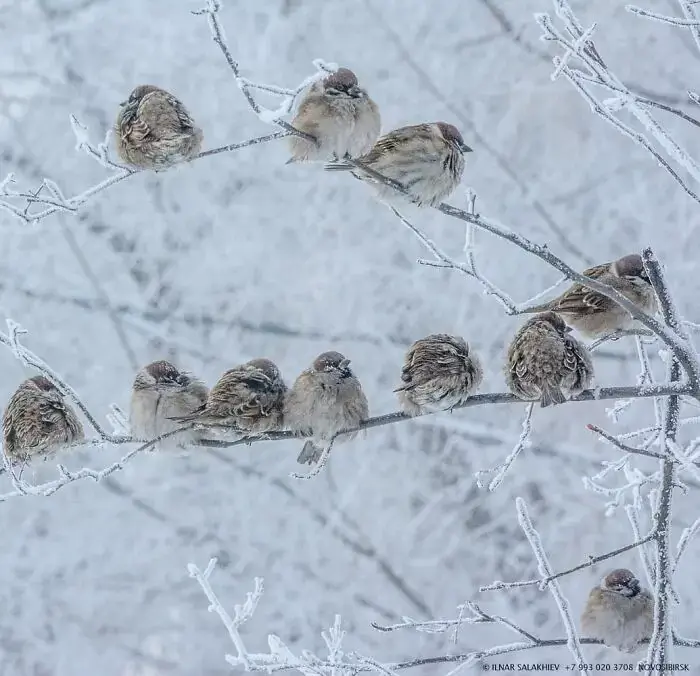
(478,616)
(281,658)
(598,394)
(689,21)
(614,441)
(442,260)
(677,341)
(545,569)
(28,358)
(66,477)
(658,651)
(241,613)
(577,44)
(211,11)
(542,582)
(56,200)
(501,469)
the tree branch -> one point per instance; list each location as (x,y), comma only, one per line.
(658,647)
(598,394)
(542,582)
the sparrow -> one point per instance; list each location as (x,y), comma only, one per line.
(248,398)
(154,130)
(38,421)
(595,315)
(325,399)
(426,159)
(546,363)
(439,373)
(340,115)
(160,392)
(619,612)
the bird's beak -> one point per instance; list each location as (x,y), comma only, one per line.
(123,103)
(568,329)
(465,148)
(355,92)
(344,364)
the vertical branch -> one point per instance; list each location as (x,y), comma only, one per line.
(662,637)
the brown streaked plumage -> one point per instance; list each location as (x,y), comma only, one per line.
(340,115)
(154,130)
(545,363)
(595,315)
(619,612)
(325,399)
(161,392)
(38,421)
(440,372)
(249,398)
(427,159)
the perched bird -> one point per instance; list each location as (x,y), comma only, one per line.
(38,421)
(326,398)
(439,373)
(546,363)
(427,159)
(596,315)
(248,398)
(161,392)
(154,130)
(340,115)
(619,612)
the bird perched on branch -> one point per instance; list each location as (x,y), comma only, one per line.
(38,421)
(545,363)
(340,115)
(161,392)
(325,399)
(426,159)
(595,315)
(619,612)
(155,131)
(439,373)
(248,398)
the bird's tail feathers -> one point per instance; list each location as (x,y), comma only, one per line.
(405,387)
(310,454)
(552,394)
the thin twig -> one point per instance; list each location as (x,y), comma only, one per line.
(542,582)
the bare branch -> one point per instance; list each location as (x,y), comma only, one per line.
(522,443)
(662,18)
(542,582)
(445,261)
(599,394)
(619,445)
(662,637)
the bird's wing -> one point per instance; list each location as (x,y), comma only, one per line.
(580,299)
(52,413)
(158,114)
(183,117)
(241,392)
(132,125)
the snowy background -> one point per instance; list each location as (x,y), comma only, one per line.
(238,256)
